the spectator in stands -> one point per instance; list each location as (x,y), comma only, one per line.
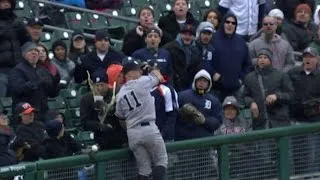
(301,31)
(12,34)
(214,17)
(316,42)
(34,29)
(283,58)
(176,19)
(46,63)
(305,109)
(278,15)
(166,103)
(316,15)
(231,64)
(104,4)
(60,59)
(55,115)
(187,58)
(31,83)
(288,7)
(135,38)
(203,41)
(59,143)
(108,132)
(153,53)
(100,58)
(78,45)
(30,134)
(206,103)
(232,123)
(268,93)
(248,13)
(7,156)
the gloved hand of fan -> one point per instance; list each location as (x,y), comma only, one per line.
(189,113)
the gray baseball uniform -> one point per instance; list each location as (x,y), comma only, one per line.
(136,105)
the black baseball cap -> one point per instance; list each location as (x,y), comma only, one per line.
(78,33)
(188,28)
(131,66)
(102,34)
(34,21)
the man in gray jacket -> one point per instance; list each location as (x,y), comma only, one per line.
(282,58)
(268,92)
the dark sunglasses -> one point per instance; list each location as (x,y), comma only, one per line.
(230,22)
(267,24)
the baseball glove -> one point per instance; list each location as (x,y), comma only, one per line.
(189,113)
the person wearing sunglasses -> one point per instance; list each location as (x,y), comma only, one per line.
(230,60)
(282,58)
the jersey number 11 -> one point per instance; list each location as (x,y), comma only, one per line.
(138,104)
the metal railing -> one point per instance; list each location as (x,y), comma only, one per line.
(280,153)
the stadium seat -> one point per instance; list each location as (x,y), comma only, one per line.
(23,9)
(57,103)
(73,118)
(83,90)
(96,22)
(61,35)
(140,3)
(86,138)
(6,102)
(117,46)
(46,39)
(76,20)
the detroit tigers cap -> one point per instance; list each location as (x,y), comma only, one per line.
(131,66)
(34,21)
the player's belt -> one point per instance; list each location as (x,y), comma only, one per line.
(145,124)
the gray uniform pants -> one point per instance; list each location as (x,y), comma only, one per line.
(148,147)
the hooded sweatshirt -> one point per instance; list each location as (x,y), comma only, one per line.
(231,58)
(236,125)
(207,104)
(282,59)
(206,50)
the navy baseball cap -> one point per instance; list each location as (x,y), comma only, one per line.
(153,30)
(53,127)
(102,34)
(99,76)
(34,21)
(188,28)
(131,66)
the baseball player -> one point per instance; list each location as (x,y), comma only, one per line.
(135,107)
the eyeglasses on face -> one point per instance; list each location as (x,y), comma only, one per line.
(230,22)
(268,24)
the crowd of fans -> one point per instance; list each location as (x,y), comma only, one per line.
(242,55)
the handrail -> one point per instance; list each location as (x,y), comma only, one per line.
(181,145)
(87,10)
(91,36)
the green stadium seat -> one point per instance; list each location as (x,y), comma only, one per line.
(73,118)
(86,138)
(23,9)
(117,46)
(96,21)
(57,103)
(140,3)
(6,102)
(83,90)
(76,20)
(157,12)
(127,3)
(46,39)
(61,35)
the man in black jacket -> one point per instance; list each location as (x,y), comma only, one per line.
(12,34)
(186,58)
(268,93)
(100,58)
(107,133)
(28,82)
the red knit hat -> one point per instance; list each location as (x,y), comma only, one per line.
(305,7)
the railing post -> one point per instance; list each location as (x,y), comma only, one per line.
(223,154)
(100,170)
(283,153)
